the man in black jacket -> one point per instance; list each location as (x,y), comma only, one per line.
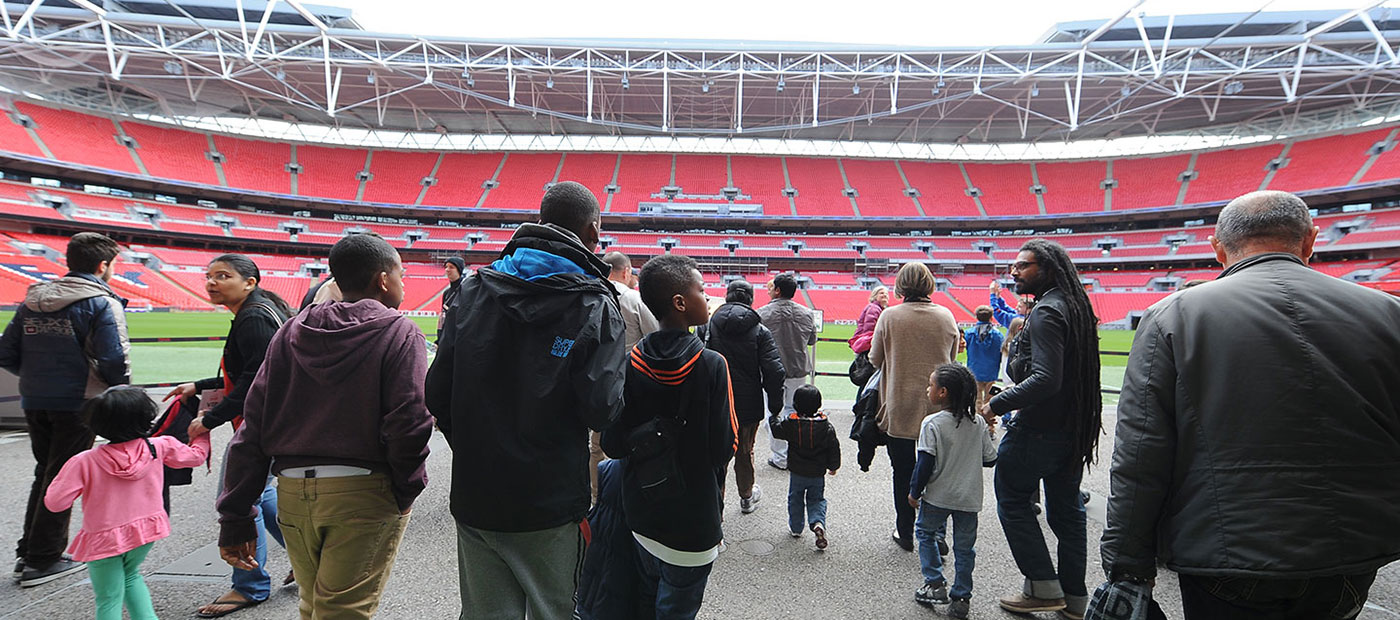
(1054,434)
(531,357)
(1258,440)
(67,343)
(755,368)
(452,268)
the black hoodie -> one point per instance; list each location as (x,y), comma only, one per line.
(755,365)
(664,365)
(529,360)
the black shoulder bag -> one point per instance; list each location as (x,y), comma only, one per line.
(655,457)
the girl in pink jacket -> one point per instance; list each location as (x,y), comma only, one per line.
(120,484)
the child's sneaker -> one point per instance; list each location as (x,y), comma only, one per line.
(750,503)
(958,608)
(820,531)
(930,594)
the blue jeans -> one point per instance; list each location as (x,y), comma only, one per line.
(668,591)
(256,584)
(929,528)
(806,492)
(1026,458)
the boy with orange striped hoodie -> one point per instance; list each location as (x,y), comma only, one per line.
(677,434)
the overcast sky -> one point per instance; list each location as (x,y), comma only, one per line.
(897,22)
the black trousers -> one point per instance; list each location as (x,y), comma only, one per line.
(1338,597)
(902,461)
(54,437)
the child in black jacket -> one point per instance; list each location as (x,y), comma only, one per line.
(813,451)
(678,433)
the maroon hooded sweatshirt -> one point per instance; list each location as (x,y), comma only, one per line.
(342,384)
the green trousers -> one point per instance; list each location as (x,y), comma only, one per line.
(117,582)
(514,575)
(342,536)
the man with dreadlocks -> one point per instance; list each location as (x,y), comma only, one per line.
(1054,434)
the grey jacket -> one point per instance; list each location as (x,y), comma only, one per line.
(1259,429)
(794,330)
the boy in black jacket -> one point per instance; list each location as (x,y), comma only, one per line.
(813,451)
(678,433)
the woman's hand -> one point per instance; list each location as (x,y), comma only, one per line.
(184,390)
(198,428)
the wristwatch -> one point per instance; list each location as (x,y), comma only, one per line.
(1125,577)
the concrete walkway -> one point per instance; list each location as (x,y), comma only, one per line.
(764,574)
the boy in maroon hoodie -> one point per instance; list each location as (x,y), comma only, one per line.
(337,413)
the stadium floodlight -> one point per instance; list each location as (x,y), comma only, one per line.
(1125,91)
(281,74)
(855,89)
(1234,87)
(781,85)
(625,84)
(370,78)
(549,83)
(1035,90)
(705,88)
(174,67)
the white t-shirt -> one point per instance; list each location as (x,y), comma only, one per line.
(959,448)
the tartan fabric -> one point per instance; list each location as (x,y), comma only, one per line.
(1123,601)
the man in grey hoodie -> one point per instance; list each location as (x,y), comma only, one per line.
(67,343)
(337,413)
(794,329)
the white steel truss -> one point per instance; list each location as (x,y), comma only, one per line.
(1323,79)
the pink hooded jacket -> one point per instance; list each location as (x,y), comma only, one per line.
(120,485)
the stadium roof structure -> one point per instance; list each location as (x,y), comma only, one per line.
(1129,76)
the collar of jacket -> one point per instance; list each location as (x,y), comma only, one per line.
(99,282)
(1261,258)
(560,242)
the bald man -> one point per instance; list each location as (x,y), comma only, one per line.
(1258,440)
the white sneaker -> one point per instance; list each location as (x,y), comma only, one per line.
(750,503)
(797,534)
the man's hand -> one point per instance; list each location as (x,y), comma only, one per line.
(913,501)
(241,555)
(198,428)
(987,414)
(183,390)
(995,287)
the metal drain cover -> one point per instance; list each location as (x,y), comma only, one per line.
(756,547)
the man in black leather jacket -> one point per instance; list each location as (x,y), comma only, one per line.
(755,368)
(1258,443)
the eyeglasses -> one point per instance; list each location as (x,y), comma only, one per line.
(1021,265)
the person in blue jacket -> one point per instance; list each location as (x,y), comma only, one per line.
(1002,311)
(983,352)
(67,343)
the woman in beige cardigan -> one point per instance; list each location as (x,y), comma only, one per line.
(911,340)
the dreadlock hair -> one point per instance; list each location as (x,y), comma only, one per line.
(1082,344)
(962,389)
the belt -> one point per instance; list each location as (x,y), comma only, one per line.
(324,471)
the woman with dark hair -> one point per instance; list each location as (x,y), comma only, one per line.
(233,282)
(911,341)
